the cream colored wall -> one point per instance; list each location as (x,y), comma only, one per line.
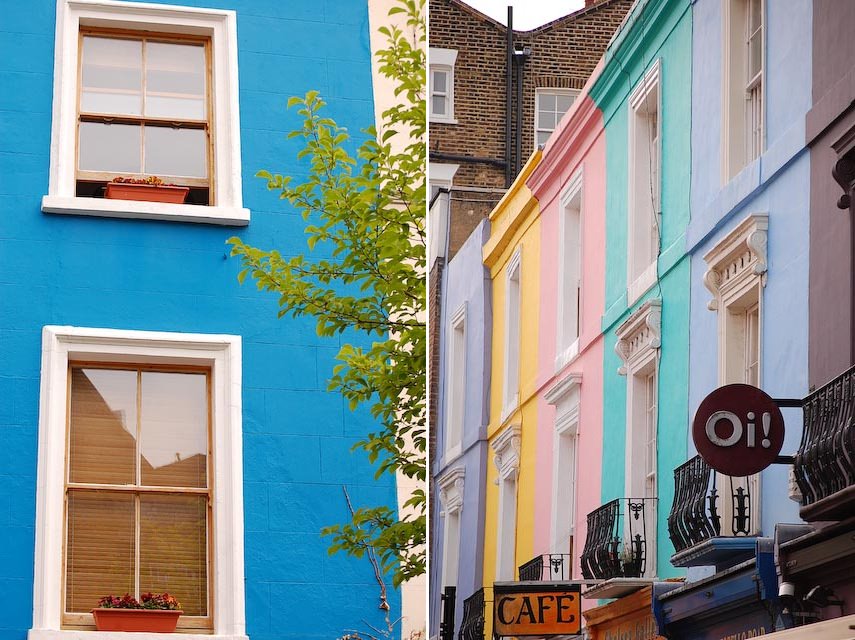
(414,592)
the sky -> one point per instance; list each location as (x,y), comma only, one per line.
(528,14)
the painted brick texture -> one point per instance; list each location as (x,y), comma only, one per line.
(131,274)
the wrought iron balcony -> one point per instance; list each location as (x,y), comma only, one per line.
(825,462)
(446,625)
(549,566)
(616,545)
(472,626)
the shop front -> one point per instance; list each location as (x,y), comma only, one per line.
(628,618)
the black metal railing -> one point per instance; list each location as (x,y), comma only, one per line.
(472,626)
(446,625)
(825,462)
(618,534)
(696,512)
(549,566)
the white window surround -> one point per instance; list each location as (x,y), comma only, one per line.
(455,387)
(442,60)
(736,275)
(510,394)
(450,486)
(506,449)
(564,395)
(639,337)
(567,349)
(220,352)
(221,27)
(556,91)
(643,216)
(440,175)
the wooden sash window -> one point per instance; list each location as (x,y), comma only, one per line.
(144,109)
(138,489)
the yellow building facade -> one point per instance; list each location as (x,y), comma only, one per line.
(512,256)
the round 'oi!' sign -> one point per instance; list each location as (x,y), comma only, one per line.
(738,430)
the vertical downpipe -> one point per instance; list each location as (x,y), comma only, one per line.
(519,131)
(508,89)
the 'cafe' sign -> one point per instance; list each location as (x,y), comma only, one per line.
(536,609)
(738,429)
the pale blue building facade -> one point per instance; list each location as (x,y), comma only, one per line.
(459,468)
(88,283)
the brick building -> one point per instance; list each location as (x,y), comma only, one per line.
(479,138)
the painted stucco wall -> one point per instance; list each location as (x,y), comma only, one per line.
(467,284)
(578,145)
(654,31)
(130,274)
(515,226)
(777,184)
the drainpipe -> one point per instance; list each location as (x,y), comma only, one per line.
(508,89)
(521,54)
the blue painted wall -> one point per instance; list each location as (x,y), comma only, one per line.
(129,274)
(465,282)
(777,183)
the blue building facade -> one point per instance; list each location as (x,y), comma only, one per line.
(158,292)
(459,468)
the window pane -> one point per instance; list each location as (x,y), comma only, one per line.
(175,81)
(542,137)
(438,105)
(111,76)
(546,101)
(100,548)
(174,429)
(440,81)
(176,152)
(109,147)
(563,103)
(103,426)
(546,120)
(173,549)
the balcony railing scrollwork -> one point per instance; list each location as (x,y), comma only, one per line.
(549,566)
(825,462)
(696,514)
(472,626)
(618,535)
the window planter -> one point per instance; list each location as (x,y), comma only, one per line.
(147,192)
(152,620)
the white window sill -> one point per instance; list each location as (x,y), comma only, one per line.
(510,407)
(443,120)
(104,208)
(641,284)
(70,634)
(453,452)
(566,356)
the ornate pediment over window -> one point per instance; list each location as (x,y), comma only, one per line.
(738,260)
(451,490)
(506,447)
(639,334)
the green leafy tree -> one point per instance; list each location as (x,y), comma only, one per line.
(365,270)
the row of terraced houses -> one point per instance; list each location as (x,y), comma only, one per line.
(687,225)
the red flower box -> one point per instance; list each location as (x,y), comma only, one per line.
(152,620)
(147,192)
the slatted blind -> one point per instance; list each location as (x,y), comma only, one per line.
(137,497)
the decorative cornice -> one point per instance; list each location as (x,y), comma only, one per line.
(737,258)
(640,333)
(507,452)
(561,389)
(451,490)
(844,174)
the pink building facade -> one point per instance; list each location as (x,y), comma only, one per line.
(570,186)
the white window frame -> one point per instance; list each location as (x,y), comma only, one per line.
(556,91)
(565,396)
(440,175)
(742,97)
(644,217)
(221,27)
(222,353)
(736,276)
(639,340)
(570,260)
(513,308)
(455,385)
(506,447)
(451,485)
(442,60)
